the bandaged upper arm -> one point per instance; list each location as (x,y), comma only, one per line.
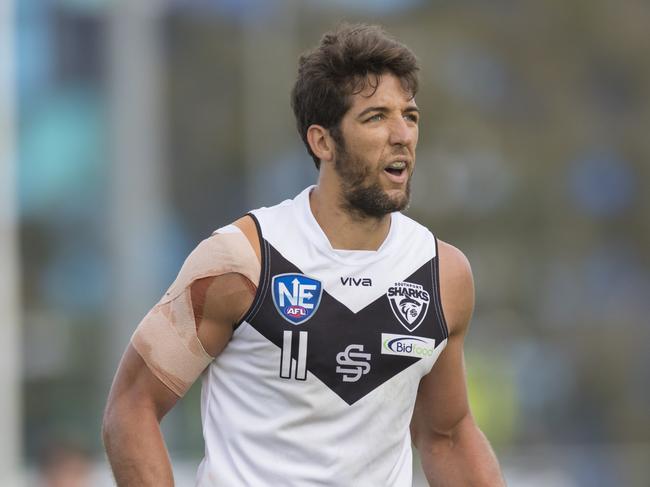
(166,338)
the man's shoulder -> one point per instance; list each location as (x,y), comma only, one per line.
(248,228)
(456,287)
(408,225)
(233,248)
(454,259)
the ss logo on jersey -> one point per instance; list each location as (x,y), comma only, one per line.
(353,363)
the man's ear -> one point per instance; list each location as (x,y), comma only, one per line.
(321,142)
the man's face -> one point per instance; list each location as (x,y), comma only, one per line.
(376,160)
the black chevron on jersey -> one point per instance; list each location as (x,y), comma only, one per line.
(334,327)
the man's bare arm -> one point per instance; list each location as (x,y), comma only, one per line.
(142,392)
(131,428)
(453,450)
(139,400)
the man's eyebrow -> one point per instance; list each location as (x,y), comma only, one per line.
(372,109)
(380,109)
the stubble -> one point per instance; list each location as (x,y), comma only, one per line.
(361,190)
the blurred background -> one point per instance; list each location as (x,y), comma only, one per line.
(130,130)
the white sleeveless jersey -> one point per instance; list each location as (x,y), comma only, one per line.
(318,383)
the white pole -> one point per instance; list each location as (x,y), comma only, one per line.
(10,343)
(138,185)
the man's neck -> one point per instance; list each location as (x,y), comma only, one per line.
(346,230)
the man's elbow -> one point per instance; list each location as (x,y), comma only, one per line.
(429,438)
(110,424)
(433,441)
(118,421)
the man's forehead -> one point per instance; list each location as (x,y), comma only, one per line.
(384,90)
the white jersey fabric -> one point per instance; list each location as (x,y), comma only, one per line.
(318,384)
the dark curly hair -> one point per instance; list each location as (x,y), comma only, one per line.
(347,60)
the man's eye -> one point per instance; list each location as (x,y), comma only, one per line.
(376,118)
(411,117)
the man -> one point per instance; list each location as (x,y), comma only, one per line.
(328,329)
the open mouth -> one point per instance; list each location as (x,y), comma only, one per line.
(396,170)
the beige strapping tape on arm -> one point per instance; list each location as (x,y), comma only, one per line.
(166,338)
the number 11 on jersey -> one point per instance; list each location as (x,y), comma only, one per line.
(286,363)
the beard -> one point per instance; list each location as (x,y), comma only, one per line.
(361,188)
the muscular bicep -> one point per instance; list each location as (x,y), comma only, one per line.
(194,320)
(149,377)
(442,396)
(219,303)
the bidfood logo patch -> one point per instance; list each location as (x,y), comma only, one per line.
(296,296)
(409,303)
(407,346)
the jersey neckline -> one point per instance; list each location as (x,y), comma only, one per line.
(317,236)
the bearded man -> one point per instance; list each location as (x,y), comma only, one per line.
(328,330)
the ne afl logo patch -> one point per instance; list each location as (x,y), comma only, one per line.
(409,302)
(296,296)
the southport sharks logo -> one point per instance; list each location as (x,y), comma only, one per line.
(409,302)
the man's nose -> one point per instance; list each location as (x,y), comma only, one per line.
(402,133)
